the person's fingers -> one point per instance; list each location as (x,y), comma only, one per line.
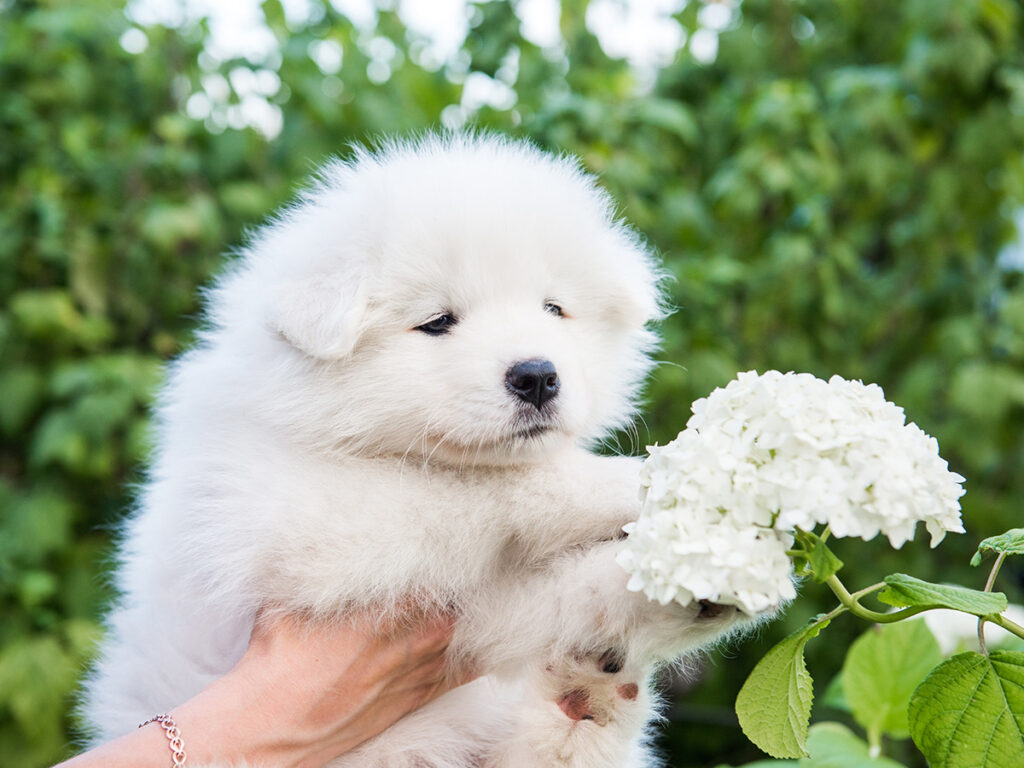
(415,654)
(435,677)
(433,632)
(265,625)
(430,646)
(465,673)
(426,640)
(439,684)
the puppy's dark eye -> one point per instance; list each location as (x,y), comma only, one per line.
(554,309)
(438,326)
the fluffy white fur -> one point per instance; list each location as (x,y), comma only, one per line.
(317,452)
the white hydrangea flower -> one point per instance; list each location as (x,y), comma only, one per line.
(766,455)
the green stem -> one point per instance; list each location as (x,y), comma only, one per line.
(994,572)
(874,743)
(867,590)
(988,588)
(850,603)
(832,614)
(1010,626)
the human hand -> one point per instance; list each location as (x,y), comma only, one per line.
(302,694)
(315,692)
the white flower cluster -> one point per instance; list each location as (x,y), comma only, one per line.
(766,455)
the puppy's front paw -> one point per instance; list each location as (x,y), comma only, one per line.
(586,710)
(599,689)
(662,633)
(614,483)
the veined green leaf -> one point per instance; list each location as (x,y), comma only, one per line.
(832,745)
(834,695)
(774,705)
(1009,543)
(904,591)
(882,669)
(969,712)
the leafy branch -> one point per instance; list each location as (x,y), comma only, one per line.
(932,701)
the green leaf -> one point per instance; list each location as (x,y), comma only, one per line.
(834,695)
(987,391)
(58,440)
(668,115)
(969,712)
(774,705)
(43,313)
(36,587)
(51,315)
(882,669)
(1009,543)
(22,388)
(904,591)
(822,561)
(82,637)
(832,745)
(36,673)
(35,524)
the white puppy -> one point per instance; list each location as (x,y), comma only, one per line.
(391,404)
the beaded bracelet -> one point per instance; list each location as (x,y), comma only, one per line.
(174,739)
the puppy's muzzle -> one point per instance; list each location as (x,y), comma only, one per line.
(535,381)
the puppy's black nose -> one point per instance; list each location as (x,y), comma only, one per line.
(535,381)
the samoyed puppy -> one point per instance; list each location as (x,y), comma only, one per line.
(392,405)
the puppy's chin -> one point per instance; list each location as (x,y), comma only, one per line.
(525,444)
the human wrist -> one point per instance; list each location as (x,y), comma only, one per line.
(139,748)
(174,741)
(233,721)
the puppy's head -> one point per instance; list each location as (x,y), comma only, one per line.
(465,298)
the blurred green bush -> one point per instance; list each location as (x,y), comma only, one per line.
(832,194)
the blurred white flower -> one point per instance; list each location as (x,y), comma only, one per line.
(956,631)
(766,455)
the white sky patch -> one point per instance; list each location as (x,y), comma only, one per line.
(444,22)
(643,33)
(236,26)
(640,31)
(362,12)
(540,22)
(716,16)
(327,54)
(479,89)
(134,40)
(1011,258)
(704,45)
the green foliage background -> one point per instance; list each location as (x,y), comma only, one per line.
(832,193)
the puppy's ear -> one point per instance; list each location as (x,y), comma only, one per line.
(641,287)
(322,314)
